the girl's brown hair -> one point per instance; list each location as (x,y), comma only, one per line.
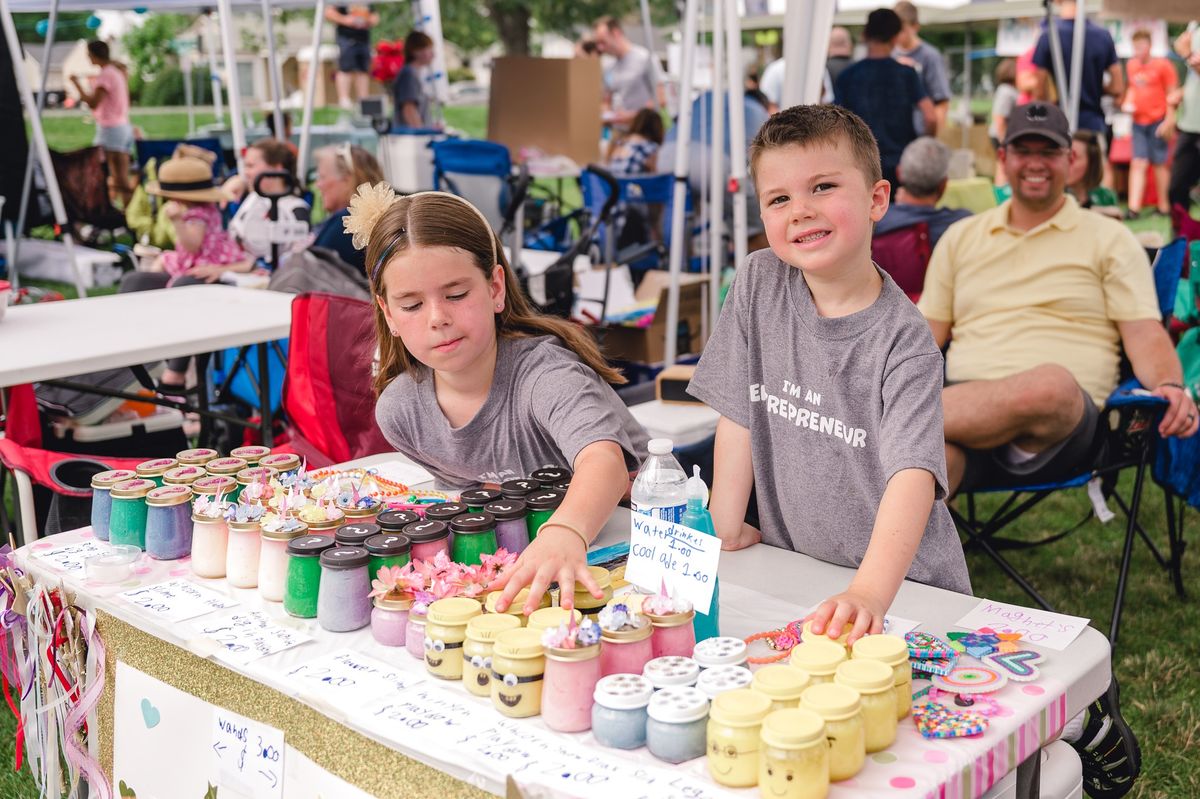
(1095,168)
(436,219)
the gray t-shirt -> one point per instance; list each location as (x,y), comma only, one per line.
(407,89)
(633,79)
(930,65)
(544,407)
(834,407)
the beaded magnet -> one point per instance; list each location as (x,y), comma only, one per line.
(782,641)
(935,720)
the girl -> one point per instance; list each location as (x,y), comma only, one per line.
(636,153)
(251,224)
(477,387)
(109,101)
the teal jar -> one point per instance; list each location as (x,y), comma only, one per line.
(387,549)
(304,574)
(102,485)
(127,519)
(476,498)
(541,506)
(474,535)
(155,469)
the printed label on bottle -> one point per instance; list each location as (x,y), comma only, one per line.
(671,513)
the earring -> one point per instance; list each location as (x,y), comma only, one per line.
(393,332)
(499,308)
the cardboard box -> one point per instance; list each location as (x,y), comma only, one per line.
(549,103)
(670,386)
(648,344)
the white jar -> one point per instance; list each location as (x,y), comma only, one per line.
(720,679)
(671,670)
(273,561)
(210,540)
(723,650)
(241,561)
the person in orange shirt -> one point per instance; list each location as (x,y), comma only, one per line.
(1150,81)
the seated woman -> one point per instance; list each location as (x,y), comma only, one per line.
(1085,173)
(636,152)
(250,226)
(341,169)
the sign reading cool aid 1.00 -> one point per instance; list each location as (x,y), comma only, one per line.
(683,558)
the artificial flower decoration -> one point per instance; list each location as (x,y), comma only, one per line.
(366,206)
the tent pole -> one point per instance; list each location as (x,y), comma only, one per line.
(310,91)
(1056,59)
(716,170)
(679,200)
(236,122)
(794,60)
(273,66)
(23,208)
(648,28)
(818,50)
(214,75)
(1078,30)
(188,99)
(966,119)
(737,131)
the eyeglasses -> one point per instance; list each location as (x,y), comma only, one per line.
(1047,153)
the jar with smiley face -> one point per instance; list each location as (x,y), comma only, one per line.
(477,650)
(841,708)
(794,762)
(518,668)
(733,736)
(445,633)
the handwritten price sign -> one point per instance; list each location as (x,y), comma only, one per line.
(70,558)
(348,679)
(177,600)
(1038,627)
(248,635)
(248,755)
(685,559)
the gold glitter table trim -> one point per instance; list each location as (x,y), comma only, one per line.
(375,768)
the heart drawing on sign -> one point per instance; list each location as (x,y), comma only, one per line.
(150,714)
(1020,665)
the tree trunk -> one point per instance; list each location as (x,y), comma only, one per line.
(512,23)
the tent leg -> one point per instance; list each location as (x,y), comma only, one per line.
(310,91)
(678,234)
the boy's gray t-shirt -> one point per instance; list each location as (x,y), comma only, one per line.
(834,407)
(544,407)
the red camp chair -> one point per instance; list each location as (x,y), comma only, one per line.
(904,254)
(327,392)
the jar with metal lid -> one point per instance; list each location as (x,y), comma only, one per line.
(474,535)
(550,618)
(355,534)
(304,574)
(476,498)
(587,604)
(570,682)
(782,684)
(892,651)
(841,708)
(365,510)
(619,710)
(196,457)
(719,679)
(220,485)
(818,657)
(671,671)
(102,484)
(414,631)
(477,650)
(251,475)
(724,650)
(873,681)
(445,511)
(184,475)
(794,762)
(677,730)
(541,505)
(626,650)
(516,609)
(389,619)
(518,489)
(155,469)
(387,549)
(445,632)
(282,462)
(210,539)
(252,454)
(169,522)
(343,603)
(518,670)
(428,538)
(673,632)
(551,476)
(273,557)
(322,518)
(225,467)
(245,547)
(512,534)
(733,736)
(394,521)
(127,520)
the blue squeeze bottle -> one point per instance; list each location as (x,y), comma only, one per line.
(697,517)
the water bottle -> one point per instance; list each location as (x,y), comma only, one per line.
(660,489)
(697,517)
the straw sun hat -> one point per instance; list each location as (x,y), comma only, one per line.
(186,177)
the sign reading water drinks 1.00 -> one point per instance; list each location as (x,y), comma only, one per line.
(682,558)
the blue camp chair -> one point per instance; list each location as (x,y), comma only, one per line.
(1129,444)
(645,201)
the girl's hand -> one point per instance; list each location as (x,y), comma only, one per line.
(835,613)
(208,272)
(556,554)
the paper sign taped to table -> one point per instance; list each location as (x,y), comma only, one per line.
(247,635)
(427,713)
(1038,627)
(70,557)
(348,679)
(409,474)
(248,755)
(177,600)
(685,559)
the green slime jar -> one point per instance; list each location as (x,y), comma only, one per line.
(387,549)
(474,535)
(541,506)
(127,520)
(304,574)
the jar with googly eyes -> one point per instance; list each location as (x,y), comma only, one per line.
(571,678)
(733,736)
(518,672)
(794,761)
(477,650)
(676,730)
(666,672)
(445,633)
(723,650)
(841,709)
(719,679)
(619,710)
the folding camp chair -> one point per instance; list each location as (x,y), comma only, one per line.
(1129,443)
(162,149)
(83,177)
(904,254)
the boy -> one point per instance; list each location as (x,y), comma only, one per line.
(828,381)
(1151,80)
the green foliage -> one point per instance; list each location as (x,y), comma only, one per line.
(148,48)
(167,88)
(460,74)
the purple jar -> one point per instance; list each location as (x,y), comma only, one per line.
(511,531)
(343,603)
(169,522)
(414,631)
(389,619)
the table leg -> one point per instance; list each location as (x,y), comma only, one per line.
(206,427)
(1029,777)
(264,395)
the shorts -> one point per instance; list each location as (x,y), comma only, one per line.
(1147,146)
(991,468)
(115,139)
(353,55)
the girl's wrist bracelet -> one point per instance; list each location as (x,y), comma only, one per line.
(565,526)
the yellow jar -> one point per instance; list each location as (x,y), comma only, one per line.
(782,684)
(518,665)
(445,632)
(806,634)
(584,601)
(873,681)
(518,603)
(841,709)
(819,658)
(734,721)
(890,650)
(549,618)
(794,763)
(477,650)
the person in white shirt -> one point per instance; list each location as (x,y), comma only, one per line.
(250,225)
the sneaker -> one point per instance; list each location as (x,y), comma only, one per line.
(1108,749)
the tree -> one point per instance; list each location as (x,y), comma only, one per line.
(149,47)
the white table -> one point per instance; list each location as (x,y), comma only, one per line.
(684,424)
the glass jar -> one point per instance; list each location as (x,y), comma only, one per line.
(155,469)
(251,475)
(394,521)
(355,534)
(474,535)
(673,633)
(516,609)
(196,457)
(518,489)
(477,650)
(552,618)
(677,728)
(427,539)
(587,604)
(541,505)
(343,603)
(389,619)
(841,709)
(670,671)
(215,486)
(252,454)
(387,549)
(241,559)
(445,633)
(571,678)
(227,467)
(818,658)
(183,475)
(551,476)
(518,669)
(445,511)
(273,559)
(102,484)
(724,650)
(782,684)
(476,498)
(873,681)
(414,631)
(890,650)
(169,523)
(325,520)
(733,736)
(806,634)
(282,462)
(127,519)
(512,534)
(719,679)
(210,545)
(626,651)
(365,511)
(794,762)
(619,710)
(304,574)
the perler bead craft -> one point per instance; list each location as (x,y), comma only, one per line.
(935,720)
(970,680)
(1020,666)
(924,646)
(930,666)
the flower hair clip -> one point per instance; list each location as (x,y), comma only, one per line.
(366,207)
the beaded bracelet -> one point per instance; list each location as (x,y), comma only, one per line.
(783,640)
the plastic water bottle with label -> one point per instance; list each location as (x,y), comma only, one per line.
(660,488)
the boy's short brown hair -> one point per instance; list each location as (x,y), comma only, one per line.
(1141,33)
(809,125)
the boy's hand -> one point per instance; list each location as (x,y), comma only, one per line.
(835,613)
(556,554)
(749,536)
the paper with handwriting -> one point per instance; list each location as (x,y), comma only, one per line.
(246,635)
(70,557)
(1038,627)
(177,600)
(247,755)
(348,679)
